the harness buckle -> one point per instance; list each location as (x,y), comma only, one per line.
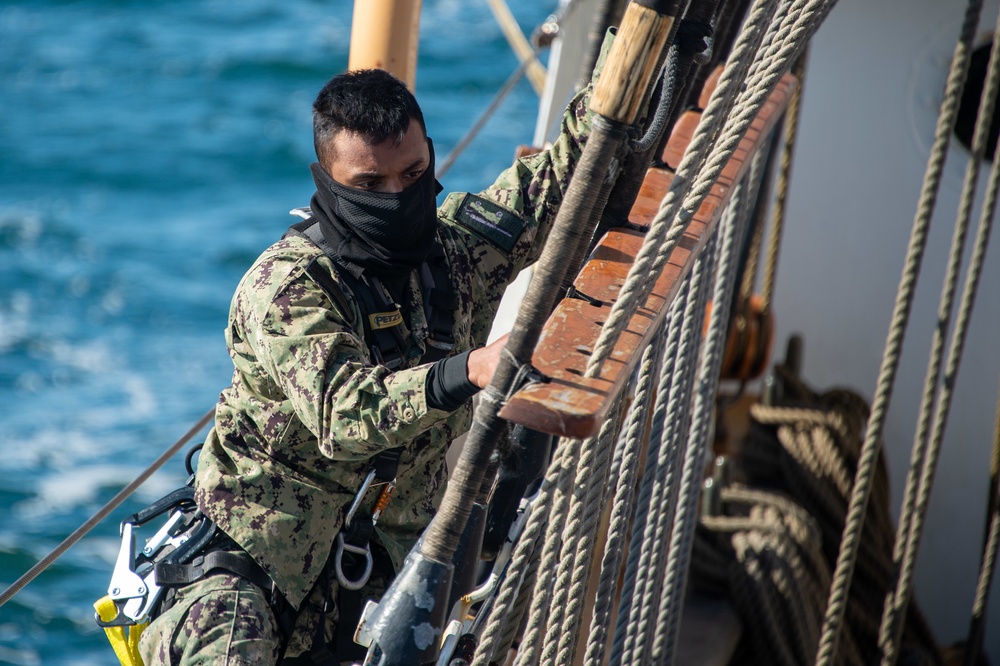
(134,589)
(338,563)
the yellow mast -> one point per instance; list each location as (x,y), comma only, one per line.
(384,35)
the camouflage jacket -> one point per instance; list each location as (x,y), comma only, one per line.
(308,408)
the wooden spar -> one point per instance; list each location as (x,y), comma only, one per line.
(384,35)
(618,94)
(570,404)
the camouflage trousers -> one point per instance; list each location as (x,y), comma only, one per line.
(225,620)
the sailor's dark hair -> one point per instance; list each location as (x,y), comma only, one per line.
(370,102)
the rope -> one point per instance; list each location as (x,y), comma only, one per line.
(701,433)
(527,64)
(629,587)
(519,44)
(791,131)
(926,450)
(635,434)
(561,482)
(104,511)
(991,544)
(777,566)
(801,21)
(890,361)
(484,117)
(661,233)
(504,612)
(579,542)
(651,530)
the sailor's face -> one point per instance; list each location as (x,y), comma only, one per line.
(381,168)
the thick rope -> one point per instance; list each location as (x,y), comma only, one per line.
(793,31)
(675,385)
(503,616)
(635,434)
(991,544)
(791,132)
(926,448)
(645,499)
(891,625)
(777,569)
(561,480)
(663,232)
(668,429)
(701,434)
(772,564)
(104,511)
(890,361)
(525,551)
(671,430)
(579,543)
(509,607)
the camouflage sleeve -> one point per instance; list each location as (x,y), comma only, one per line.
(505,226)
(307,349)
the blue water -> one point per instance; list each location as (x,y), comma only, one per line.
(148,152)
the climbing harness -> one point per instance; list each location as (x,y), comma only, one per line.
(380,322)
(355,536)
(381,318)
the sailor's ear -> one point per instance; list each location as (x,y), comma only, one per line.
(609,38)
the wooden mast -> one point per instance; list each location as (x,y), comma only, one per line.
(384,35)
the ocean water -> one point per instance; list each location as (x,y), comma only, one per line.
(148,153)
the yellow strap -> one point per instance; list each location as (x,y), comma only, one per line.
(126,646)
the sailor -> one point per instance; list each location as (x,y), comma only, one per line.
(358,341)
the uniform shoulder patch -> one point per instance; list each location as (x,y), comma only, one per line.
(500,226)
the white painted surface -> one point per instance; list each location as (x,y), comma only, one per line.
(875,80)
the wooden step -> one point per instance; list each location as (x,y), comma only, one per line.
(570,404)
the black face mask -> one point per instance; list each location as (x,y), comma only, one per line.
(388,233)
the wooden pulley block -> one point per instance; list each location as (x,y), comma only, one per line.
(750,340)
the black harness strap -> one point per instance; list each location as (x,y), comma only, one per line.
(241,564)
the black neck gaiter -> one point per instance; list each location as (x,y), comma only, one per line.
(388,234)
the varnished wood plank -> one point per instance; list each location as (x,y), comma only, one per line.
(570,404)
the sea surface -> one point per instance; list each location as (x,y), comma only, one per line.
(148,152)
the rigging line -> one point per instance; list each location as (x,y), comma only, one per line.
(484,117)
(665,231)
(511,595)
(519,44)
(700,435)
(560,473)
(847,557)
(621,507)
(671,428)
(792,114)
(991,542)
(508,86)
(580,540)
(651,523)
(113,504)
(926,446)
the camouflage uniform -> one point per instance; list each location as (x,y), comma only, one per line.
(308,408)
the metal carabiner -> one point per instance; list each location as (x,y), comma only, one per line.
(365,485)
(338,563)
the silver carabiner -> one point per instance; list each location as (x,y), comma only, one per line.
(338,563)
(365,485)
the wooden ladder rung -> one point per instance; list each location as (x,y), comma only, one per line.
(570,404)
